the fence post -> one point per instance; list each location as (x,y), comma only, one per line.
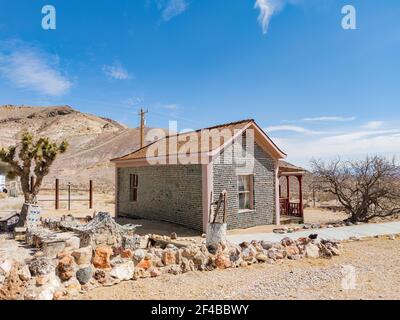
(69,196)
(57,195)
(90,194)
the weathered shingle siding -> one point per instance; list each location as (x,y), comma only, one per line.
(166,192)
(225,177)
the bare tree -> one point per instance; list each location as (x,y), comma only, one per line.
(31,157)
(366,188)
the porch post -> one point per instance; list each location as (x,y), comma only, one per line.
(288,195)
(288,187)
(277,199)
(300,178)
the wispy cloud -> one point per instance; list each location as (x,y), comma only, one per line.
(116,71)
(290,128)
(171,8)
(29,68)
(350,144)
(267,9)
(331,119)
(132,101)
(173,106)
(373,125)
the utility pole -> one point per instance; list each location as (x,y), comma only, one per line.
(142,115)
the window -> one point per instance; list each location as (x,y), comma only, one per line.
(133,187)
(246,192)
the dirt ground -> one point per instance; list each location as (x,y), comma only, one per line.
(377,276)
(105,203)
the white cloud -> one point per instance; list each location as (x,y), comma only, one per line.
(116,71)
(328,119)
(297,129)
(172,8)
(170,106)
(352,144)
(29,68)
(267,9)
(133,101)
(373,125)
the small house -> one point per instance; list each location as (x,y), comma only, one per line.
(179,178)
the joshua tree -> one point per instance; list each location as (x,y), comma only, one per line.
(366,188)
(31,158)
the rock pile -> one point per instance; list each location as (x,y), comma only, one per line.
(308,226)
(77,270)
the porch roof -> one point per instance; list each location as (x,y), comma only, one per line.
(286,168)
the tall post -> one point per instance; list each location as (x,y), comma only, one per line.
(288,187)
(90,194)
(288,196)
(57,194)
(69,196)
(142,114)
(301,194)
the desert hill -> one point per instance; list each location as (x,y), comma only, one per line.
(93,140)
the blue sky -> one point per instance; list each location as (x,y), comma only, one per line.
(317,89)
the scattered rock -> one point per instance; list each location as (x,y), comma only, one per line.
(187,265)
(154,272)
(280,230)
(168,257)
(139,254)
(24,273)
(287,242)
(173,236)
(173,269)
(101,259)
(145,264)
(84,275)
(65,267)
(83,255)
(262,257)
(200,260)
(73,243)
(266,245)
(311,251)
(123,271)
(127,254)
(99,275)
(222,262)
(41,266)
(249,253)
(213,248)
(292,250)
(41,280)
(190,252)
(58,295)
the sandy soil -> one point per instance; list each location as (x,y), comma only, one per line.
(377,275)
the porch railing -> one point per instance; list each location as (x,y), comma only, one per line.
(288,208)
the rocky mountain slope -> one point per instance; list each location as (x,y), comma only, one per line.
(93,141)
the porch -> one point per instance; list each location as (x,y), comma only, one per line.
(291,209)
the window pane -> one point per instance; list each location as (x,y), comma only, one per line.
(244,201)
(243,183)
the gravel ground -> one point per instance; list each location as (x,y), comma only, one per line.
(377,265)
